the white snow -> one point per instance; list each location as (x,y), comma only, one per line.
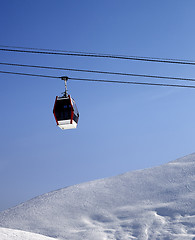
(12,234)
(149,204)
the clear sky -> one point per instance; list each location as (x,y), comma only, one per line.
(121,127)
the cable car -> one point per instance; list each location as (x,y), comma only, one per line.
(65,110)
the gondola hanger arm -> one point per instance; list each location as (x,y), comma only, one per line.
(65,79)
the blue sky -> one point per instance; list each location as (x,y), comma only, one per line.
(121,127)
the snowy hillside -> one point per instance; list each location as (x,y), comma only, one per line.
(156,203)
(12,234)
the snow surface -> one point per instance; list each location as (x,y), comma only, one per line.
(12,234)
(149,204)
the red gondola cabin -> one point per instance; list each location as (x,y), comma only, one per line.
(65,112)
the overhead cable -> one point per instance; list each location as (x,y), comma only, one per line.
(95,55)
(105,54)
(100,72)
(102,80)
(29,74)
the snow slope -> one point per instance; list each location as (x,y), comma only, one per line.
(12,234)
(156,203)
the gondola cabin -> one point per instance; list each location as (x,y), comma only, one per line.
(65,112)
